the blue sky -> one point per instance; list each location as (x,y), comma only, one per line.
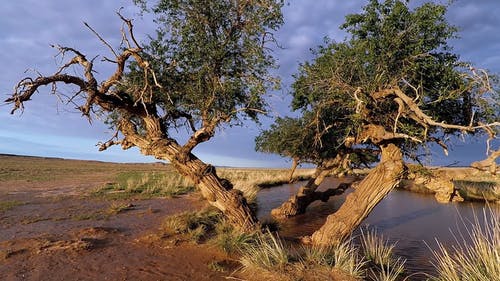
(48,128)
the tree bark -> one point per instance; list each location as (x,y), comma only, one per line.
(219,192)
(295,163)
(307,194)
(371,190)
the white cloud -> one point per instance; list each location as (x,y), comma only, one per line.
(27,27)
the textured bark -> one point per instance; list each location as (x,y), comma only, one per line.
(307,194)
(295,163)
(370,191)
(219,192)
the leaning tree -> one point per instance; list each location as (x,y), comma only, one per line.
(206,66)
(400,86)
(306,141)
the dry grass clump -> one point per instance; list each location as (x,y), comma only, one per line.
(390,271)
(376,249)
(267,253)
(146,185)
(379,252)
(347,259)
(195,225)
(477,255)
(231,240)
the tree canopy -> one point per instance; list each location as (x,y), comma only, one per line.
(394,84)
(398,72)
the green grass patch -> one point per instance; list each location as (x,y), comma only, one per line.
(8,205)
(145,185)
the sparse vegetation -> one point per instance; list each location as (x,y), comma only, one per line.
(118,207)
(268,253)
(41,169)
(8,205)
(145,185)
(249,181)
(170,183)
(376,249)
(481,190)
(478,259)
(194,225)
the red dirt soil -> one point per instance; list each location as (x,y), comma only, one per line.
(55,233)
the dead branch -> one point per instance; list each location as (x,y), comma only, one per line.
(419,116)
(100,38)
(378,134)
(112,141)
(440,143)
(488,164)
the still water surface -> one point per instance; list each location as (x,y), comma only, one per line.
(411,220)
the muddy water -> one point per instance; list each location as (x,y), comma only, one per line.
(411,220)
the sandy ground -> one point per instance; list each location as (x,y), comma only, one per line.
(57,233)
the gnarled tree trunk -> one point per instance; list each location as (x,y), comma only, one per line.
(219,192)
(295,163)
(371,190)
(307,194)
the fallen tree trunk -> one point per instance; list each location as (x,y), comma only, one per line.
(370,191)
(307,194)
(489,164)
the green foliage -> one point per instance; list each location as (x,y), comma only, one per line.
(291,138)
(211,58)
(311,139)
(392,46)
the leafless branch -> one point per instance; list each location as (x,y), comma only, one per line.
(112,141)
(100,38)
(128,22)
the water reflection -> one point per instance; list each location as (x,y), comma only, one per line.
(411,220)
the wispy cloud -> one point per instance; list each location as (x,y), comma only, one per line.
(28,27)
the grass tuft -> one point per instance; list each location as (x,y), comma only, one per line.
(346,259)
(196,225)
(146,185)
(231,240)
(390,271)
(376,249)
(478,259)
(268,253)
